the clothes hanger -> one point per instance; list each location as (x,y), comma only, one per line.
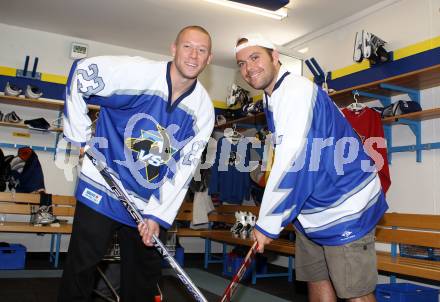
(356,106)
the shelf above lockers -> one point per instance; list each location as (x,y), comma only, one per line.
(410,83)
(23,126)
(418,80)
(40,103)
(257,119)
(37,103)
(414,116)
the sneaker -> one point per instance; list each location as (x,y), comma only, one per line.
(12,90)
(357,51)
(43,216)
(12,117)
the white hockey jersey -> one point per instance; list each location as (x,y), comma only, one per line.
(321,177)
(149,143)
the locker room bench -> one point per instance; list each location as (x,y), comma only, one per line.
(393,229)
(20,204)
(410,229)
(225,214)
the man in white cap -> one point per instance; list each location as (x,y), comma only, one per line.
(321,180)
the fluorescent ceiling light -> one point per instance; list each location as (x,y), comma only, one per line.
(278,14)
(303,50)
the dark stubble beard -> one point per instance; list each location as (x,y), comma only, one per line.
(266,81)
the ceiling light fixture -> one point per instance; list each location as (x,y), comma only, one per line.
(278,14)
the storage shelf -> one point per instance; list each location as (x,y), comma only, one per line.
(418,80)
(415,116)
(38,103)
(410,83)
(259,118)
(23,126)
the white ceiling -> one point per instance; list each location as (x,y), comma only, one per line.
(151,25)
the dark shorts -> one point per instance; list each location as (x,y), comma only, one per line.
(351,267)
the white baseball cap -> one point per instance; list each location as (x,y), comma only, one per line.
(254,39)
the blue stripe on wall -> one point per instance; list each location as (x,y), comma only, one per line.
(50,90)
(390,69)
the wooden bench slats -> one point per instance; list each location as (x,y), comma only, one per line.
(34,198)
(64,200)
(22,203)
(280,245)
(214,217)
(186,232)
(64,211)
(411,229)
(26,227)
(231,209)
(394,228)
(25,209)
(413,221)
(184,216)
(427,239)
(408,266)
(20,197)
(13,208)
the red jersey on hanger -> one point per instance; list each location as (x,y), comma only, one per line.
(367,123)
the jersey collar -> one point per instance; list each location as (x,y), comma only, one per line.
(171,106)
(282,74)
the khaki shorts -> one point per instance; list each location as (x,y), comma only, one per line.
(351,267)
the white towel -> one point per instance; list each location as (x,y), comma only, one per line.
(202,206)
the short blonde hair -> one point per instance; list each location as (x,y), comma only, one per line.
(194,27)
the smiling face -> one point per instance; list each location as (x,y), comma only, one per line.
(192,52)
(258,67)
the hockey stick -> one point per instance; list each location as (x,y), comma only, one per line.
(230,290)
(125,199)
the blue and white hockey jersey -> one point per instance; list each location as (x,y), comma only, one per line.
(230,176)
(321,174)
(149,143)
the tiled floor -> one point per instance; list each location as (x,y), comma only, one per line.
(39,283)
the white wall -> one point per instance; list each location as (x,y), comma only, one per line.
(53,52)
(401,24)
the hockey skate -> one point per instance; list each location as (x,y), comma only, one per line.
(43,216)
(357,51)
(245,233)
(373,48)
(240,224)
(253,108)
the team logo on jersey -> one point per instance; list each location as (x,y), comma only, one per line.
(347,234)
(153,148)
